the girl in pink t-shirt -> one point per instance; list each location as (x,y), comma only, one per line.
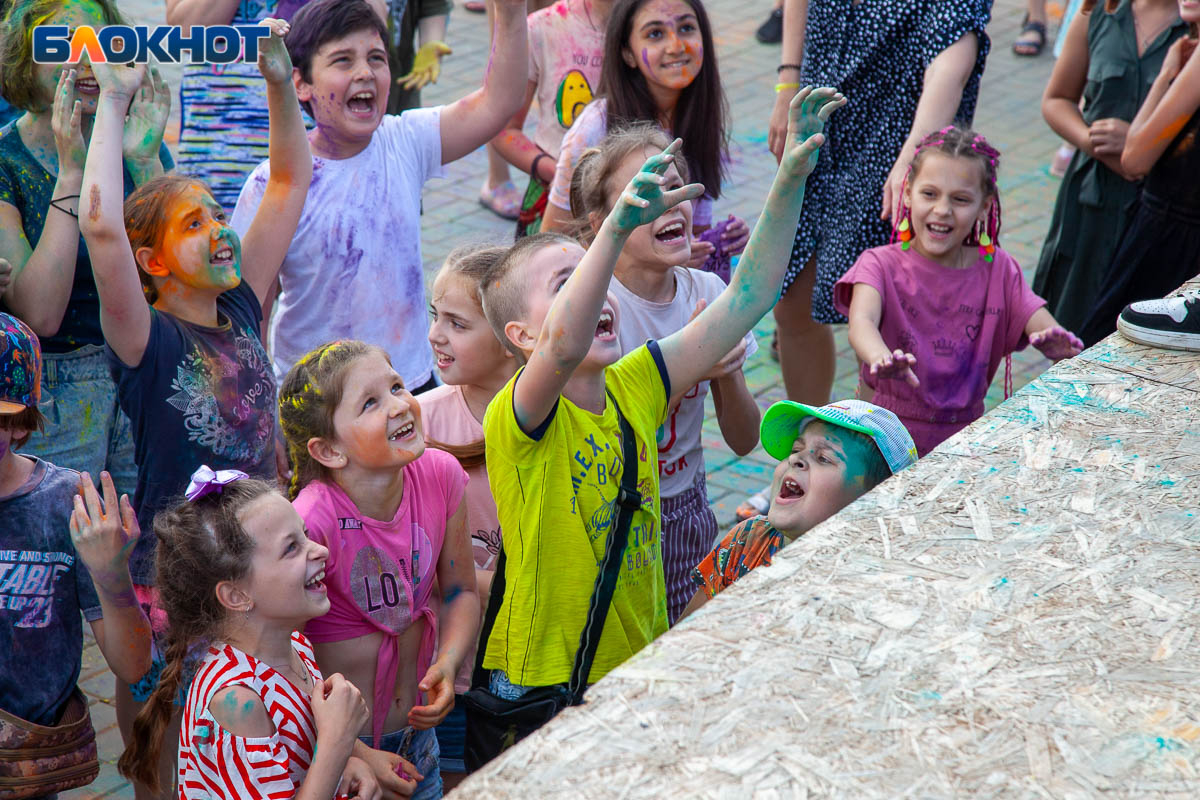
(393,517)
(474,366)
(932,317)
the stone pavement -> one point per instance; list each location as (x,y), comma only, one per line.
(1009,115)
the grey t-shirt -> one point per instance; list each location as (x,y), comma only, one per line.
(43,587)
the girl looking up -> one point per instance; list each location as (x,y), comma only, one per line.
(932,316)
(655,298)
(239,578)
(393,517)
(180,298)
(474,366)
(660,66)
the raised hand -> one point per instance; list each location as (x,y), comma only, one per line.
(104,536)
(427,65)
(65,121)
(1056,343)
(896,365)
(273,60)
(119,80)
(643,200)
(147,119)
(807,115)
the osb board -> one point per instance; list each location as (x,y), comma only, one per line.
(1014,616)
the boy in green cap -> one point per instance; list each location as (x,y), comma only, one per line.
(828,458)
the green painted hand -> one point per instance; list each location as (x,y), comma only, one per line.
(644,199)
(65,121)
(147,118)
(807,115)
(273,60)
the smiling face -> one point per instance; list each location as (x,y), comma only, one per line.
(544,275)
(198,250)
(946,200)
(1189,11)
(74,14)
(466,349)
(665,242)
(349,89)
(826,471)
(287,568)
(665,44)
(377,425)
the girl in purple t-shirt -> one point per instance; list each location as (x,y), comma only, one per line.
(392,514)
(932,316)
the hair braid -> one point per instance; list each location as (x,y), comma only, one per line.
(958,142)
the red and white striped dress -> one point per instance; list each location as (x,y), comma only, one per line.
(214,763)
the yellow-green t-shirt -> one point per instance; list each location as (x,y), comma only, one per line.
(555,495)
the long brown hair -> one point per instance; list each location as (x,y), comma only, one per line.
(200,544)
(702,114)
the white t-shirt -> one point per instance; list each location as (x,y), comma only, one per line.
(566,49)
(680,453)
(354,269)
(589,130)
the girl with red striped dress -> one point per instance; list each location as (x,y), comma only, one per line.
(238,578)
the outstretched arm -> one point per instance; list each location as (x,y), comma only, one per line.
(1053,340)
(692,351)
(269,235)
(472,121)
(124,314)
(570,324)
(866,312)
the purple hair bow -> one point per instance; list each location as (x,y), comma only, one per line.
(206,481)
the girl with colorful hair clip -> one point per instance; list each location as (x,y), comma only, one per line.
(239,578)
(933,314)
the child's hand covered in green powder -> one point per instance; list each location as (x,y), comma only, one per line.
(807,115)
(273,60)
(644,200)
(147,119)
(66,123)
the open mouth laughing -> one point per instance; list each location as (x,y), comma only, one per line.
(317,582)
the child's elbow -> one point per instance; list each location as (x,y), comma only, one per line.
(1134,163)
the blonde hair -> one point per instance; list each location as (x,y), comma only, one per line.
(310,395)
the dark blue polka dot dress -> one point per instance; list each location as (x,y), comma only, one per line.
(876,52)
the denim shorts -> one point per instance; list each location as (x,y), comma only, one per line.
(419,748)
(85,428)
(452,738)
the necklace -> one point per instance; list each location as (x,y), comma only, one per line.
(1144,41)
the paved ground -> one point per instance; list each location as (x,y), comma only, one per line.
(1008,114)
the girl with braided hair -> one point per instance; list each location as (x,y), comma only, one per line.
(239,577)
(933,314)
(394,518)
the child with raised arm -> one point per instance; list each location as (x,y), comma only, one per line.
(657,297)
(181,294)
(52,526)
(354,268)
(932,316)
(393,516)
(554,454)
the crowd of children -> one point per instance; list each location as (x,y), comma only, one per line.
(292,600)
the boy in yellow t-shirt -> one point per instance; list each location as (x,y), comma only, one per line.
(553,446)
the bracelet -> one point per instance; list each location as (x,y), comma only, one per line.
(779,87)
(533,168)
(782,67)
(55,204)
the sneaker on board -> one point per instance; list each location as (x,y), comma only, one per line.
(1173,322)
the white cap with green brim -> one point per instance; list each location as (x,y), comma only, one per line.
(784,421)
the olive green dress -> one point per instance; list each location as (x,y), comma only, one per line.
(1091,212)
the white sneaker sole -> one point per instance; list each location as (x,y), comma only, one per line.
(1156,338)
